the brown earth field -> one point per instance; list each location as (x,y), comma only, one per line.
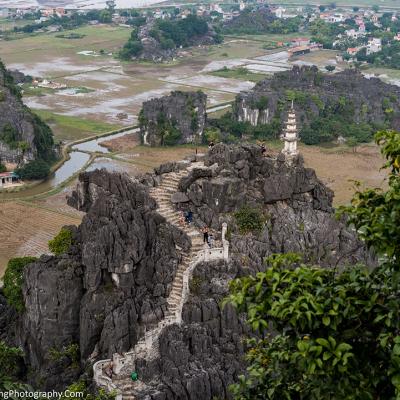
(26,229)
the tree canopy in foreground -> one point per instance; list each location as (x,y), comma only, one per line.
(330,333)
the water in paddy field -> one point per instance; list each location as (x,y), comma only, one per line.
(75,4)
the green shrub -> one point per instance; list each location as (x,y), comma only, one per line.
(249,220)
(9,360)
(9,135)
(13,279)
(37,169)
(195,285)
(71,352)
(61,243)
(2,168)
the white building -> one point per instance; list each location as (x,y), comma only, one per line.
(279,12)
(374,46)
(352,33)
(335,18)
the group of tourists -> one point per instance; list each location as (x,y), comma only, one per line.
(208,237)
(186,218)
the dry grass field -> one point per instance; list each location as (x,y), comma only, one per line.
(26,229)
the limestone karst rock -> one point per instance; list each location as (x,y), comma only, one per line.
(179,117)
(367,96)
(23,135)
(114,280)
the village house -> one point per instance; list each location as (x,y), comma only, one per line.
(9,179)
(300,41)
(353,34)
(374,46)
(397,37)
(352,51)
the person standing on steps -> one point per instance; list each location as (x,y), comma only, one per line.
(210,240)
(205,234)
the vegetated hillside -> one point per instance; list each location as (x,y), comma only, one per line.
(159,40)
(174,119)
(260,20)
(23,135)
(328,105)
(111,284)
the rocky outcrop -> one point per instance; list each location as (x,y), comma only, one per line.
(158,49)
(200,358)
(107,289)
(23,136)
(369,98)
(177,118)
(296,205)
(115,280)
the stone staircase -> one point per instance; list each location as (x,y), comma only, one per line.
(147,347)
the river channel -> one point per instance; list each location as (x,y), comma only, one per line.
(79,156)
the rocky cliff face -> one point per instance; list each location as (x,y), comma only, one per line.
(177,118)
(98,298)
(107,289)
(371,99)
(23,136)
(297,206)
(203,356)
(153,45)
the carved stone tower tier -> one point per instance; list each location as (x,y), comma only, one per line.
(290,135)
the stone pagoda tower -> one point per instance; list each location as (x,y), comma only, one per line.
(290,135)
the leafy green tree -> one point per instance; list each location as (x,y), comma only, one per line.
(2,167)
(213,135)
(105,16)
(13,279)
(10,136)
(74,391)
(10,361)
(61,243)
(336,331)
(36,169)
(330,68)
(249,219)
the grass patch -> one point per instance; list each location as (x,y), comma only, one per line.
(29,90)
(73,128)
(238,73)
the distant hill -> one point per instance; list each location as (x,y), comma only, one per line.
(160,40)
(345,104)
(260,20)
(24,136)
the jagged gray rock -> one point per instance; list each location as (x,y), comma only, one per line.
(262,104)
(110,285)
(115,278)
(20,125)
(181,115)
